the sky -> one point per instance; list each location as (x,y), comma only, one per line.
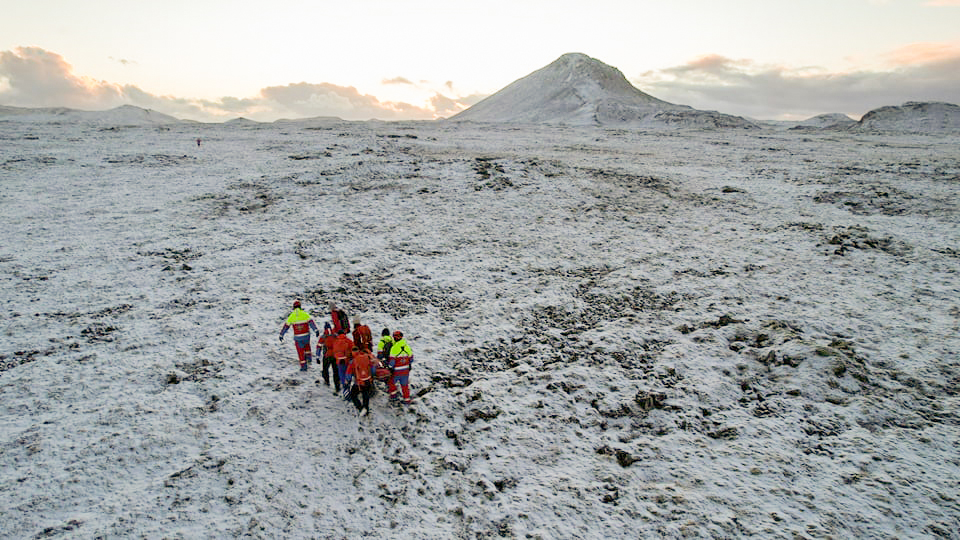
(215,60)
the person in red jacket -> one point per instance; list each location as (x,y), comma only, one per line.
(360,372)
(342,352)
(362,337)
(329,360)
(339,319)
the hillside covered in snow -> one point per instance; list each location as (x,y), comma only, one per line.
(913,117)
(617,333)
(126,115)
(582,91)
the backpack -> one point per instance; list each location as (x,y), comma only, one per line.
(363,338)
(361,368)
(343,320)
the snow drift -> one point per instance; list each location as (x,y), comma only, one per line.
(579,90)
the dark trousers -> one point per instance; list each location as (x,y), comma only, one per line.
(330,364)
(358,392)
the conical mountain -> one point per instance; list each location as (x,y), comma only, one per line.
(579,90)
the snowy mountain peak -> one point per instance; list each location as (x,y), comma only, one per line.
(579,90)
(592,78)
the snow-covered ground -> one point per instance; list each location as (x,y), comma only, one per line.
(618,334)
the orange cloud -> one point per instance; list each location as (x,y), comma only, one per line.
(397,80)
(325,99)
(715,62)
(34,77)
(39,78)
(923,53)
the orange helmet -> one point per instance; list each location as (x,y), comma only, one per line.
(398,335)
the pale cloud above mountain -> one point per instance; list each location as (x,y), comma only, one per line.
(918,72)
(398,80)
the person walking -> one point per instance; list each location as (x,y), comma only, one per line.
(342,351)
(302,323)
(362,337)
(360,372)
(383,346)
(401,357)
(329,360)
(339,319)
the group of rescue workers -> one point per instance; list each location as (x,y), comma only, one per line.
(351,360)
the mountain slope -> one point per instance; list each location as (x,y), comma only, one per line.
(825,121)
(126,115)
(579,90)
(913,117)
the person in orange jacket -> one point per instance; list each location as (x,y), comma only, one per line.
(342,352)
(329,360)
(362,337)
(360,371)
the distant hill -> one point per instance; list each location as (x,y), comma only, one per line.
(827,121)
(241,121)
(579,90)
(913,117)
(312,122)
(126,115)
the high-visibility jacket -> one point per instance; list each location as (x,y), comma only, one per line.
(302,323)
(383,347)
(401,356)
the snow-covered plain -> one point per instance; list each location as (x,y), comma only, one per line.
(618,333)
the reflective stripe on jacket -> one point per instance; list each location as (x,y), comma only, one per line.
(361,368)
(301,322)
(401,357)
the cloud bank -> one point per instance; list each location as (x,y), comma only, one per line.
(918,72)
(34,77)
